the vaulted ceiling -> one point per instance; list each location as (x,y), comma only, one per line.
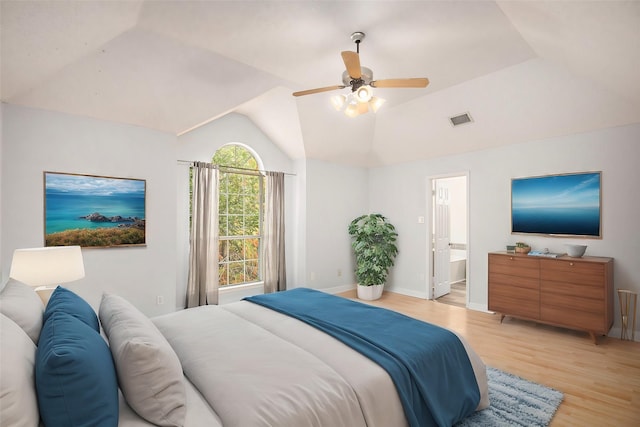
(524,70)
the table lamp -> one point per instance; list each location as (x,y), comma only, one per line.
(46,268)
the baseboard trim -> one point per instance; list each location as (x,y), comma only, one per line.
(408,292)
(479,307)
(337,289)
(615,333)
(401,291)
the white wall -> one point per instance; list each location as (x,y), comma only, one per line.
(400,193)
(34,141)
(299,244)
(201,144)
(336,194)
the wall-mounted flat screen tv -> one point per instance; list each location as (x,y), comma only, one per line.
(557,205)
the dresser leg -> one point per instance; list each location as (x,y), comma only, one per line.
(502,316)
(594,338)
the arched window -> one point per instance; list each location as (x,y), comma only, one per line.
(240,214)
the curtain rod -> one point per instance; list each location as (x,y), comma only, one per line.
(191,162)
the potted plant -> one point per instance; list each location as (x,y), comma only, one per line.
(522,248)
(374,244)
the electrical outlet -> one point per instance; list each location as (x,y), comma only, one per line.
(339,272)
(159,300)
(312,276)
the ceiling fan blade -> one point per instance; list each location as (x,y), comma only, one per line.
(352,62)
(318,90)
(416,82)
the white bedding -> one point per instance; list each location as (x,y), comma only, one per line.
(253,378)
(258,367)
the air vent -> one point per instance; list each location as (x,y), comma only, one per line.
(461,119)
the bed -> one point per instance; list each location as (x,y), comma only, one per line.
(241,364)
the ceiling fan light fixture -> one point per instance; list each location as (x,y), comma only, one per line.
(338,102)
(363,107)
(375,103)
(364,93)
(354,106)
(352,110)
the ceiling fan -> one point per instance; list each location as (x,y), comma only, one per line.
(360,79)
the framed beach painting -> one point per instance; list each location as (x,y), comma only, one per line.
(93,211)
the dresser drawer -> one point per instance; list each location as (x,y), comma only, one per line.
(573,290)
(514,265)
(580,272)
(513,281)
(524,303)
(571,302)
(573,318)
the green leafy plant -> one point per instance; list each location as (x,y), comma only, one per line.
(374,244)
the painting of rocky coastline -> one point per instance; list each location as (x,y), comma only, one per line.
(93,211)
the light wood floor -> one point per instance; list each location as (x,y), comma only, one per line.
(457,296)
(601,383)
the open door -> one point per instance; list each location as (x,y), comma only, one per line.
(442,238)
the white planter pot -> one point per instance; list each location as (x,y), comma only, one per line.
(370,293)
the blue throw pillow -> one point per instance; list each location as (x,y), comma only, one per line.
(62,299)
(76,379)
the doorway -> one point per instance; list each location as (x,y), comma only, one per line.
(449,239)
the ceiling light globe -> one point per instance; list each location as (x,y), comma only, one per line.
(351,110)
(364,93)
(338,101)
(376,103)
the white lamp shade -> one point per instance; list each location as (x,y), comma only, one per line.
(47,266)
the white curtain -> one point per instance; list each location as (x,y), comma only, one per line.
(273,242)
(202,285)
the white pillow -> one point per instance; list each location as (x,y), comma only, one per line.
(149,371)
(18,399)
(21,303)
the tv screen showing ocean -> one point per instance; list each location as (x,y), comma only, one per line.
(568,221)
(87,202)
(566,204)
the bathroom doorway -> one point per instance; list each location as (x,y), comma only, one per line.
(449,239)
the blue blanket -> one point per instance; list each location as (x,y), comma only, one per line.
(428,364)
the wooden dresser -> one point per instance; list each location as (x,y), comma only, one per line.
(575,293)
